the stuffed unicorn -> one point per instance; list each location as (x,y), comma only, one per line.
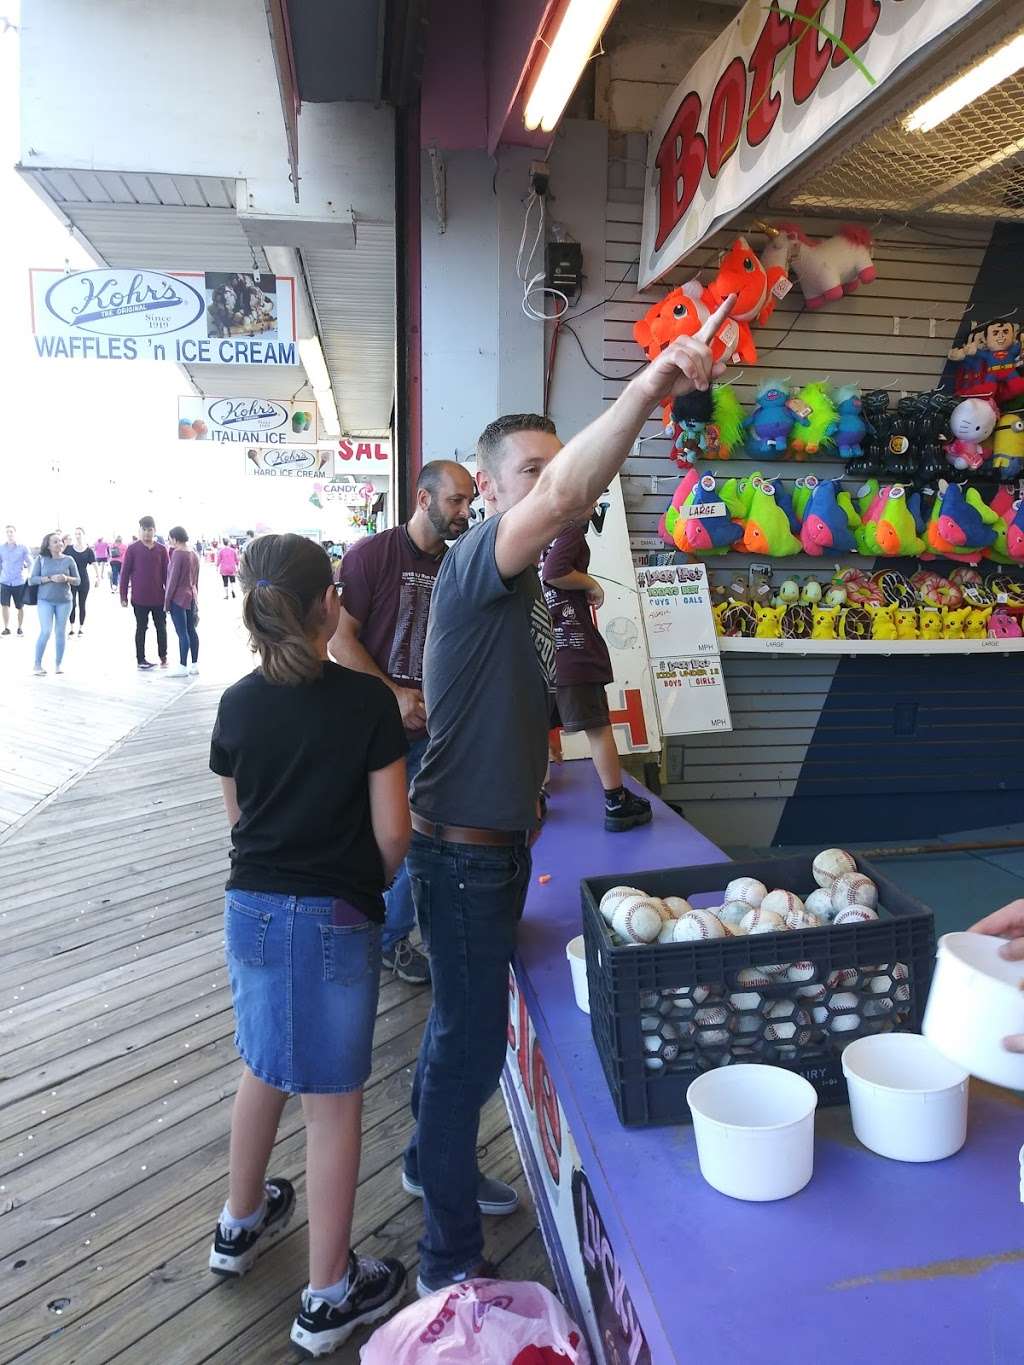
(827,269)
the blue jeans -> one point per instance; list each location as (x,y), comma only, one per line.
(184,619)
(400,913)
(469,901)
(52,616)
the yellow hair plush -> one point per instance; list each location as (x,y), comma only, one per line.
(769,623)
(931,624)
(906,624)
(977,623)
(883,623)
(953,622)
(825,622)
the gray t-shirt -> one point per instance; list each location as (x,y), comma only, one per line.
(44,566)
(488,667)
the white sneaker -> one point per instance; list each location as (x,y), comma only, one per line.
(39,672)
(194,669)
(178,670)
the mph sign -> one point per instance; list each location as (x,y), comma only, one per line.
(779,80)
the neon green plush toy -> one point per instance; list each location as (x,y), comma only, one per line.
(892,530)
(725,431)
(767,529)
(822,421)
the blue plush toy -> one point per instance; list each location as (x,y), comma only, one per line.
(771,422)
(850,430)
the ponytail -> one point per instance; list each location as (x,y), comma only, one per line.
(283,580)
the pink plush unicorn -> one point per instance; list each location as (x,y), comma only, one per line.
(827,269)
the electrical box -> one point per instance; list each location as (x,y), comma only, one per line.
(563,263)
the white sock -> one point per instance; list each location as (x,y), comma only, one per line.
(227,1220)
(335,1294)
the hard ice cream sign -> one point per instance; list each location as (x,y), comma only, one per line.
(246,421)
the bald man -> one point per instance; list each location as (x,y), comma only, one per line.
(387,582)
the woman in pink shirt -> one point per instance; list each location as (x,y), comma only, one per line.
(227,567)
(181,598)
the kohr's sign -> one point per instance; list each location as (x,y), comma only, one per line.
(188,317)
(246,421)
(290,462)
(774,85)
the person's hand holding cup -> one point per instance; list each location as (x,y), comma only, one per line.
(1008,923)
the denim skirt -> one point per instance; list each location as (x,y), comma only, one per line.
(304,991)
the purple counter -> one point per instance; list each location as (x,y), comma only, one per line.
(874,1258)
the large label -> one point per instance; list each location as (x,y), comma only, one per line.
(780,77)
(246,421)
(188,317)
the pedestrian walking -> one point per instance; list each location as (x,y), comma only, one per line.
(83,555)
(181,599)
(54,574)
(319,823)
(387,581)
(144,576)
(101,549)
(227,567)
(15,561)
(116,557)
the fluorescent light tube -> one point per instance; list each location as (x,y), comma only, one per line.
(989,72)
(562,64)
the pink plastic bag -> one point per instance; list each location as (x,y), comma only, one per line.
(481,1322)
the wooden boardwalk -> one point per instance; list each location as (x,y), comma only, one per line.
(117,1072)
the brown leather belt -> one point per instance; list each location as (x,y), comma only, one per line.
(468,834)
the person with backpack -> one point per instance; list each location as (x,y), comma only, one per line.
(319,825)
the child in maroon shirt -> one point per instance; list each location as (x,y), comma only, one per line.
(583,669)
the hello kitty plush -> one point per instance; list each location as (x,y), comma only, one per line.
(971,422)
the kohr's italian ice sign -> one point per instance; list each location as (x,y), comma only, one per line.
(188,317)
(291,462)
(246,421)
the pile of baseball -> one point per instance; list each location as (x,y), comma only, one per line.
(842,896)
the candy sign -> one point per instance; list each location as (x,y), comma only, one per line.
(778,80)
(188,317)
(246,420)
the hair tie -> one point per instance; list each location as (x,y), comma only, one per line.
(264,583)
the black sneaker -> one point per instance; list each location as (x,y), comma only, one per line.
(493,1197)
(375,1288)
(5,631)
(145,666)
(20,631)
(628,812)
(427,1285)
(408,961)
(234,1250)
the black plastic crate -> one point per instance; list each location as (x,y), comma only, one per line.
(662,1013)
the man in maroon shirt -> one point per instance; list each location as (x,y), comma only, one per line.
(144,571)
(387,581)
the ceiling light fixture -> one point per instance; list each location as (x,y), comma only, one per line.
(565,56)
(974,83)
(312,356)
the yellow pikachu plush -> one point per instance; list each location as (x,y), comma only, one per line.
(953,622)
(883,623)
(906,624)
(931,624)
(769,622)
(977,623)
(824,623)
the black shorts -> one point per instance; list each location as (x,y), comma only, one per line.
(582,706)
(227,578)
(9,594)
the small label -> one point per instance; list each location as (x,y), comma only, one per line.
(781,287)
(772,644)
(895,327)
(1002,598)
(798,406)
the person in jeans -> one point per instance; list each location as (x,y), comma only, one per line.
(14,561)
(487,669)
(144,575)
(116,558)
(319,823)
(227,567)
(387,581)
(181,598)
(83,555)
(54,574)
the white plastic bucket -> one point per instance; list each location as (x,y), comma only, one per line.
(907,1101)
(754,1127)
(577,956)
(975,1002)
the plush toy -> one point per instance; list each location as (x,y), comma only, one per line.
(788,594)
(704,527)
(827,269)
(1011,540)
(785,500)
(906,623)
(757,289)
(961,526)
(850,428)
(836,595)
(680,499)
(895,587)
(930,623)
(811,593)
(977,623)
(824,623)
(725,431)
(935,591)
(855,624)
(815,403)
(883,623)
(769,623)
(972,423)
(1003,626)
(954,623)
(826,524)
(1008,445)
(976,592)
(802,490)
(893,531)
(990,360)
(797,621)
(771,422)
(739,619)
(687,427)
(860,590)
(767,530)
(1007,590)
(682,312)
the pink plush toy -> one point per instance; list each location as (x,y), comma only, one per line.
(971,422)
(827,269)
(1003,626)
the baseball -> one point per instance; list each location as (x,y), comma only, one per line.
(842,1008)
(802,919)
(685,997)
(820,903)
(814,991)
(711,1024)
(636,919)
(746,889)
(891,985)
(662,909)
(782,903)
(745,1001)
(762,921)
(854,889)
(698,924)
(856,914)
(752,978)
(733,913)
(611,900)
(666,934)
(677,906)
(843,976)
(788,1023)
(800,972)
(830,864)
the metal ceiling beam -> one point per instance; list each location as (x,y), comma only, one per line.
(287,84)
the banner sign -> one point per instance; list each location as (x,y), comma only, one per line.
(290,462)
(778,80)
(364,449)
(246,421)
(191,318)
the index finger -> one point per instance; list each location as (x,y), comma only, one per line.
(708,330)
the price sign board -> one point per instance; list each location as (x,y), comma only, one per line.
(690,691)
(676,604)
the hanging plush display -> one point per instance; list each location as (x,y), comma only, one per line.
(971,424)
(682,495)
(817,433)
(960,526)
(890,528)
(769,426)
(826,521)
(1008,445)
(850,428)
(705,424)
(767,530)
(828,269)
(706,527)
(990,360)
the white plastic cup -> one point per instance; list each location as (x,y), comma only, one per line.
(754,1127)
(907,1101)
(975,1002)
(577,956)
